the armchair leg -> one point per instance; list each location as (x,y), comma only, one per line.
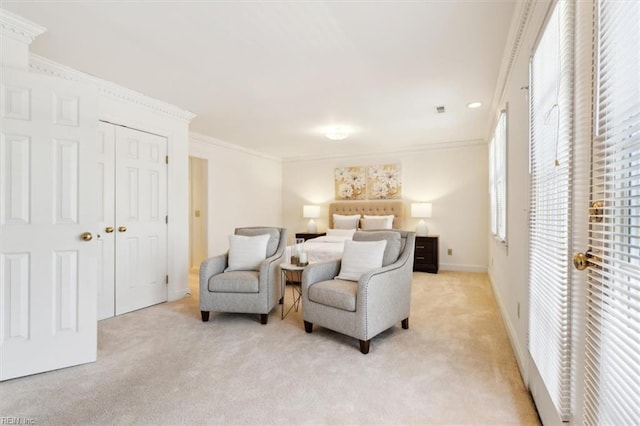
(308,326)
(405,323)
(264,318)
(364,346)
(205,316)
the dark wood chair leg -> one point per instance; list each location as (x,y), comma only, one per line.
(405,323)
(308,326)
(264,318)
(364,346)
(205,316)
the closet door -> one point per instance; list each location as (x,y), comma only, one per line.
(106,220)
(141,219)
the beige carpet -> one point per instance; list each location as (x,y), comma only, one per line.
(162,365)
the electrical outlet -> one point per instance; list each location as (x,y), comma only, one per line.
(518,309)
(449,252)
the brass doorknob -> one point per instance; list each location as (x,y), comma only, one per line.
(582,261)
(122,229)
(108,229)
(86,236)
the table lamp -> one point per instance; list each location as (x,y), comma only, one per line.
(422,211)
(311,212)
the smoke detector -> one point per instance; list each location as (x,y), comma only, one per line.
(440,109)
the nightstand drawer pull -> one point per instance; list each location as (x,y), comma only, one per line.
(420,258)
(419,247)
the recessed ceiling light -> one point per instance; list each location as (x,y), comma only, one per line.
(337,133)
(474,105)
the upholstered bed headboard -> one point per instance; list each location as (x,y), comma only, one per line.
(372,208)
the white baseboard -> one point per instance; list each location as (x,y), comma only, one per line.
(178,294)
(462,268)
(522,357)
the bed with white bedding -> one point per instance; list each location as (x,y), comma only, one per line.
(330,246)
(325,248)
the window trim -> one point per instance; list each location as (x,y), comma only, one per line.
(498,154)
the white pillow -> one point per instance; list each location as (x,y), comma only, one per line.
(376,222)
(389,216)
(345,221)
(247,253)
(341,232)
(360,257)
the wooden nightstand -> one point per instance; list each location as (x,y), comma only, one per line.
(426,254)
(308,236)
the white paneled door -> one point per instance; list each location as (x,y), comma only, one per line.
(132,239)
(106,220)
(47,220)
(140,219)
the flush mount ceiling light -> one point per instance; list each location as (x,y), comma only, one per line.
(337,133)
(474,105)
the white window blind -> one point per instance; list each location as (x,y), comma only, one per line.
(498,178)
(492,186)
(551,97)
(612,358)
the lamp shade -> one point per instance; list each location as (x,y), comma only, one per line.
(421,210)
(311,212)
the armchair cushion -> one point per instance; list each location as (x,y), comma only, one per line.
(235,282)
(274,236)
(360,257)
(339,294)
(393,247)
(247,253)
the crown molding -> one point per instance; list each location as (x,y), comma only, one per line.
(517,30)
(436,146)
(46,66)
(199,137)
(18,28)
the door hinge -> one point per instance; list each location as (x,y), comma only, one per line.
(166,159)
(166,219)
(166,279)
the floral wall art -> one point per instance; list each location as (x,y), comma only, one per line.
(351,183)
(377,182)
(383,182)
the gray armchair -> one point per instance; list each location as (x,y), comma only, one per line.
(254,292)
(362,309)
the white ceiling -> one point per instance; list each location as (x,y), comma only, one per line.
(269,75)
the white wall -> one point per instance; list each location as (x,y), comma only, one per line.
(508,263)
(244,189)
(455,180)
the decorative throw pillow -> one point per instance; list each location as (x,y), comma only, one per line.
(247,253)
(274,233)
(394,243)
(345,221)
(341,232)
(360,257)
(376,222)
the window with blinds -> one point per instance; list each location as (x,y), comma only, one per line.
(551,106)
(612,358)
(498,178)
